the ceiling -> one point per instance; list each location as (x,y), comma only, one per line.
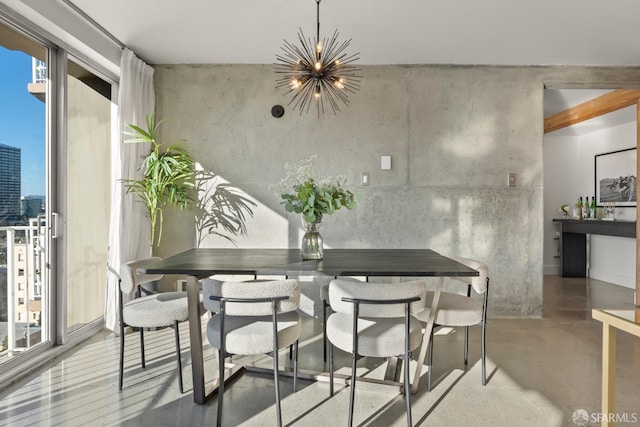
(496,32)
(464,32)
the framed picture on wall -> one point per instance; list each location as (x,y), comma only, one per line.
(616,177)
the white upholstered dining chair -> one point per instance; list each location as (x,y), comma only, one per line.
(374,319)
(254,317)
(457,310)
(158,310)
(324,299)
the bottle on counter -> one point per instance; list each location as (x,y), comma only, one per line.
(579,208)
(592,208)
(585,208)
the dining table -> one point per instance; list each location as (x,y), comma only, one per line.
(200,263)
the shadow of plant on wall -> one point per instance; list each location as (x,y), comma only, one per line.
(221,209)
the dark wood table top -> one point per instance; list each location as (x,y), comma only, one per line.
(204,262)
(618,227)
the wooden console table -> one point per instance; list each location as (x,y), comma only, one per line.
(573,241)
(625,320)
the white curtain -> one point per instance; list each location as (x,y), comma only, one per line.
(129,232)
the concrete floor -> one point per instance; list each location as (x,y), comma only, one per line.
(540,371)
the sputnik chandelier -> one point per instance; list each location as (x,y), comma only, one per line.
(318,71)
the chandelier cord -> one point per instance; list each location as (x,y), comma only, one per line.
(318,20)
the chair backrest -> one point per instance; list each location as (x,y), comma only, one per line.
(479,283)
(251,289)
(339,288)
(130,278)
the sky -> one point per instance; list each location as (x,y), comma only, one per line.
(22,119)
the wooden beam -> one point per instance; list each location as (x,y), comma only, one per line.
(612,101)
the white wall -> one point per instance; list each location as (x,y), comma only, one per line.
(569,174)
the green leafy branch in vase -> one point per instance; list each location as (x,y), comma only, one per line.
(312,197)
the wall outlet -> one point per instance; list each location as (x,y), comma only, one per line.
(511,179)
(385,163)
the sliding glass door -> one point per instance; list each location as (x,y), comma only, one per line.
(55,185)
(25,292)
(86,195)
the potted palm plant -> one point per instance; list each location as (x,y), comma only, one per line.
(168,176)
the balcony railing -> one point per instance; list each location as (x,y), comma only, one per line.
(38,71)
(21,263)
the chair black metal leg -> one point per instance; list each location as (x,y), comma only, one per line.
(466,345)
(407,390)
(121,375)
(484,334)
(275,365)
(330,369)
(121,322)
(430,361)
(484,353)
(142,347)
(220,385)
(221,355)
(295,366)
(277,386)
(324,329)
(354,359)
(177,333)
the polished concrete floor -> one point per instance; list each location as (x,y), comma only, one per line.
(540,372)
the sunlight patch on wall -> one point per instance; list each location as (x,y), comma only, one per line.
(227,216)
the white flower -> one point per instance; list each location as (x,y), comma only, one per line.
(300,173)
(313,196)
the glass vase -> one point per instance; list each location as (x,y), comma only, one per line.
(311,245)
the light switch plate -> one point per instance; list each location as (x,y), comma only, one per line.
(385,163)
(364,179)
(511,179)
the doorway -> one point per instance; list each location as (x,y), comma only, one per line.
(569,173)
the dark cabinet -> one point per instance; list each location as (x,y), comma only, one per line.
(573,241)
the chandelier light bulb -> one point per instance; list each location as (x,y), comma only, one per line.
(318,47)
(318,65)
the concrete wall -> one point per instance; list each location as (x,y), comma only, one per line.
(453,133)
(569,174)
